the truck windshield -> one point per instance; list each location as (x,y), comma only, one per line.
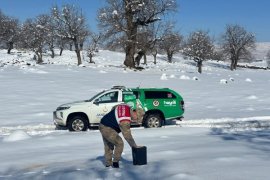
(94,97)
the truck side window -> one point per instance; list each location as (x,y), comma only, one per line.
(137,94)
(109,97)
(159,95)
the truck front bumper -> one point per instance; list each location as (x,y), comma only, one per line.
(57,119)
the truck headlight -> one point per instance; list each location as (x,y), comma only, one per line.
(62,108)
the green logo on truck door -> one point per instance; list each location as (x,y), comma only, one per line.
(155,103)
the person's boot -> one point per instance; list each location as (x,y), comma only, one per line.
(115,165)
(108,164)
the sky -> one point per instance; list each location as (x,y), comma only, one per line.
(209,15)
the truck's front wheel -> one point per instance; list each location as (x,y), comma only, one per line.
(77,123)
(153,121)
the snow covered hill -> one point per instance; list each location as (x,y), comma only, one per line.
(224,135)
(261,50)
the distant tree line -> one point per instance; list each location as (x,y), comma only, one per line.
(139,28)
(59,28)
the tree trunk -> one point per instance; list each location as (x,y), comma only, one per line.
(131,36)
(231,67)
(52,51)
(233,64)
(77,50)
(10,47)
(139,57)
(61,51)
(154,53)
(40,61)
(169,55)
(129,60)
(155,58)
(70,47)
(91,58)
(199,65)
(39,55)
(81,46)
(78,57)
(144,58)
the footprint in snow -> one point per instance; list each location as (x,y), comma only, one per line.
(184,176)
(45,172)
(164,137)
(228,159)
(117,174)
(252,97)
(184,77)
(101,71)
(172,76)
(248,80)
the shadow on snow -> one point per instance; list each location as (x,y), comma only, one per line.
(90,169)
(257,137)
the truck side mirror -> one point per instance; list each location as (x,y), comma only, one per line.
(96,101)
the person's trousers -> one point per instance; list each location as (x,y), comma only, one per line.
(113,144)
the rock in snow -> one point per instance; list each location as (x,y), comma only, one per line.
(223,81)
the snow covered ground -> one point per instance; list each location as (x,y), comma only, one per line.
(224,135)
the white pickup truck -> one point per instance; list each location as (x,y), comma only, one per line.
(159,105)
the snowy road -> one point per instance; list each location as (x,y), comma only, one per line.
(229,124)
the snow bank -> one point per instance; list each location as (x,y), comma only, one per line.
(18,135)
(184,77)
(248,80)
(164,77)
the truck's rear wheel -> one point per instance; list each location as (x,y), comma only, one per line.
(153,121)
(78,123)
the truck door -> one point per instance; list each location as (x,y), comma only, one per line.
(103,104)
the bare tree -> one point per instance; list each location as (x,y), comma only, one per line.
(9,31)
(145,41)
(51,33)
(171,43)
(217,54)
(199,47)
(148,40)
(93,46)
(2,26)
(34,35)
(71,24)
(125,16)
(268,59)
(236,43)
(117,43)
(61,43)
(159,31)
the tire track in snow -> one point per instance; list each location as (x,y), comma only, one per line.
(233,124)
(236,124)
(41,129)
